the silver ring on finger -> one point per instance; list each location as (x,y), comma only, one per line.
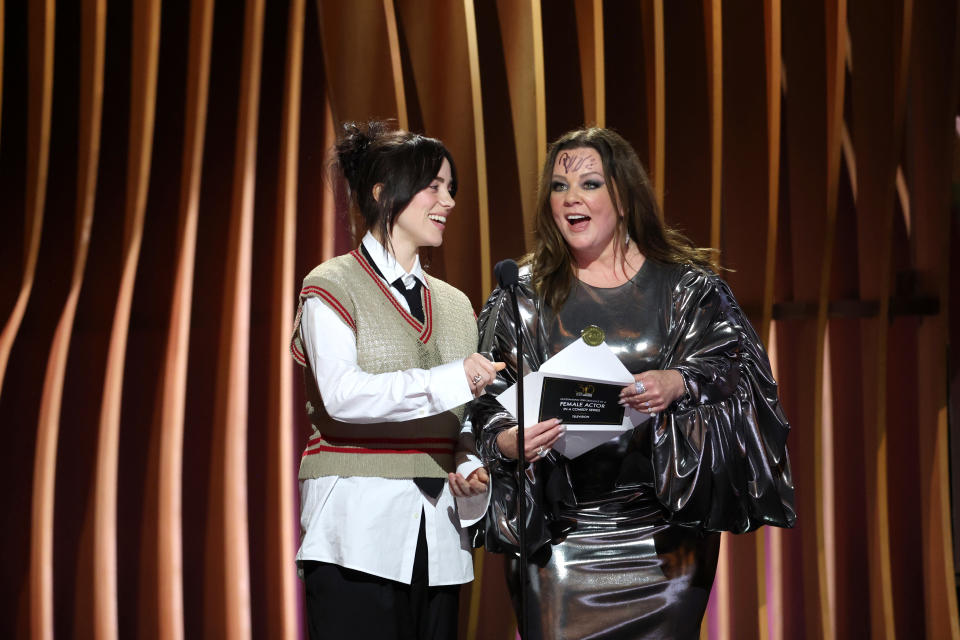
(541,452)
(477,378)
(638,385)
(647,404)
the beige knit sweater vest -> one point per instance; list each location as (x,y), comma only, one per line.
(388,339)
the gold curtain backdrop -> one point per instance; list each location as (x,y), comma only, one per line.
(163,190)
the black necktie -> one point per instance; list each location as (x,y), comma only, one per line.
(430,486)
(412,295)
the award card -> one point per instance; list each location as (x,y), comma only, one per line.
(581,385)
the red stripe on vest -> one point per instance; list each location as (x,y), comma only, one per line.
(428,316)
(324,449)
(297,355)
(413,322)
(336,439)
(333,302)
(383,288)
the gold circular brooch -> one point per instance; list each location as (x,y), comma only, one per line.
(593,335)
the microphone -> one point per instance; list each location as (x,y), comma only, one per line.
(508,277)
(507,273)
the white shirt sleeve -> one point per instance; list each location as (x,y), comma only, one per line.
(353,395)
(470,510)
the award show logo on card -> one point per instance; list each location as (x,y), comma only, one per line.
(585,390)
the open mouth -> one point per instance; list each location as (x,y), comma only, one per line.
(577,220)
(438,219)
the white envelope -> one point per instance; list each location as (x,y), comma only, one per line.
(578,361)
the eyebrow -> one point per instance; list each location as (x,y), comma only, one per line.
(560,176)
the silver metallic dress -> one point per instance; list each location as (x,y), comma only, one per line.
(622,540)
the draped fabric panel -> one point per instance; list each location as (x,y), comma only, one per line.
(164,187)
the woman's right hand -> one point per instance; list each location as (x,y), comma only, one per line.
(537,439)
(480,372)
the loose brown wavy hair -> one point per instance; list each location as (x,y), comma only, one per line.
(552,262)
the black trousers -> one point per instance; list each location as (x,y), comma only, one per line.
(343,603)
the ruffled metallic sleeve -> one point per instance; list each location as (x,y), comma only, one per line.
(720,457)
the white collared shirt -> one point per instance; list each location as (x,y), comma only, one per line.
(372,524)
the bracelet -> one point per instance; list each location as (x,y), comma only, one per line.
(686,398)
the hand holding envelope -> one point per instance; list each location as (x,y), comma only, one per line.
(591,414)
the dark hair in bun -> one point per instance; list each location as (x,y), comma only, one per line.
(403,163)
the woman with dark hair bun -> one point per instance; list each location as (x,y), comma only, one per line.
(622,541)
(388,364)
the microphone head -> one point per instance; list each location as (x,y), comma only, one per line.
(507,273)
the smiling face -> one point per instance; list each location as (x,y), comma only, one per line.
(422,222)
(581,203)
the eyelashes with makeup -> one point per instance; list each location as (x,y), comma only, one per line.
(589,185)
(451,190)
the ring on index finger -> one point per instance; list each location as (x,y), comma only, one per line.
(638,385)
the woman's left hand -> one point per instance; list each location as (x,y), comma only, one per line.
(473,485)
(660,389)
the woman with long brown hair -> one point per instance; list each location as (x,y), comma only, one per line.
(624,541)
